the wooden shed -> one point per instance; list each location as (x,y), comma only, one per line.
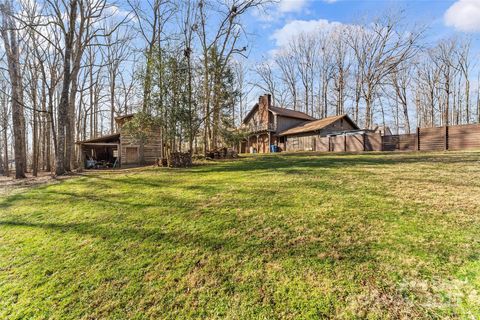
(120,149)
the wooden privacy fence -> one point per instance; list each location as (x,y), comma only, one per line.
(425,139)
(435,139)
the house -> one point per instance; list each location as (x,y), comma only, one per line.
(119,149)
(289,130)
(264,122)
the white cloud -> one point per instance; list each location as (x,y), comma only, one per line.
(291,5)
(296,27)
(464,15)
(279,9)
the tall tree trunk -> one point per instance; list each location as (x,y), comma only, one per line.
(70,125)
(467,99)
(368,110)
(45,131)
(63,106)
(9,36)
(112,104)
(5,140)
(35,136)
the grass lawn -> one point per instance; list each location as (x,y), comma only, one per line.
(279,236)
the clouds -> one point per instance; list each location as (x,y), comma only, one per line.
(296,27)
(464,15)
(292,5)
(284,8)
(279,10)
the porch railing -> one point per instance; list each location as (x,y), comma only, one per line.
(261,127)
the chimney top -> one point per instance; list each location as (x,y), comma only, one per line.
(266,99)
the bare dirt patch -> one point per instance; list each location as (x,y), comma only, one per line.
(10,184)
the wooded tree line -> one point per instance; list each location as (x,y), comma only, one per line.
(383,72)
(70,67)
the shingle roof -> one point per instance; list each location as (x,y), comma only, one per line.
(103,139)
(282,112)
(290,113)
(316,125)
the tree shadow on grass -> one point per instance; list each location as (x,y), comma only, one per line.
(329,161)
(242,245)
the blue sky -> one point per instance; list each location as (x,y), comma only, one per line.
(443,18)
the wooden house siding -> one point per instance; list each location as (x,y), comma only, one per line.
(152,149)
(369,141)
(303,142)
(317,140)
(284,123)
(339,125)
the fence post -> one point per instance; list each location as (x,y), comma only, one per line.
(344,143)
(363,136)
(418,138)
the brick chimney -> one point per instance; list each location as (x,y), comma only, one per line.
(264,102)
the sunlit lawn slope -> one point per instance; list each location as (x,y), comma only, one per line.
(281,236)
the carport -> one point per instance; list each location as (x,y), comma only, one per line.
(99,153)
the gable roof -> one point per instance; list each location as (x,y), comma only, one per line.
(316,125)
(281,112)
(290,113)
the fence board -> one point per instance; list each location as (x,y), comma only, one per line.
(464,137)
(322,144)
(390,143)
(373,142)
(337,143)
(432,139)
(354,143)
(399,142)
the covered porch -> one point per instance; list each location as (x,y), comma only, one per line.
(259,142)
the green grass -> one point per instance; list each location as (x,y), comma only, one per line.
(282,236)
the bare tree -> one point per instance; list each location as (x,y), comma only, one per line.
(241,85)
(268,81)
(380,47)
(304,48)
(217,51)
(464,64)
(325,70)
(341,67)
(4,127)
(443,57)
(401,79)
(116,51)
(10,40)
(285,61)
(428,82)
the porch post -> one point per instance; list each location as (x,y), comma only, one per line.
(269,141)
(119,154)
